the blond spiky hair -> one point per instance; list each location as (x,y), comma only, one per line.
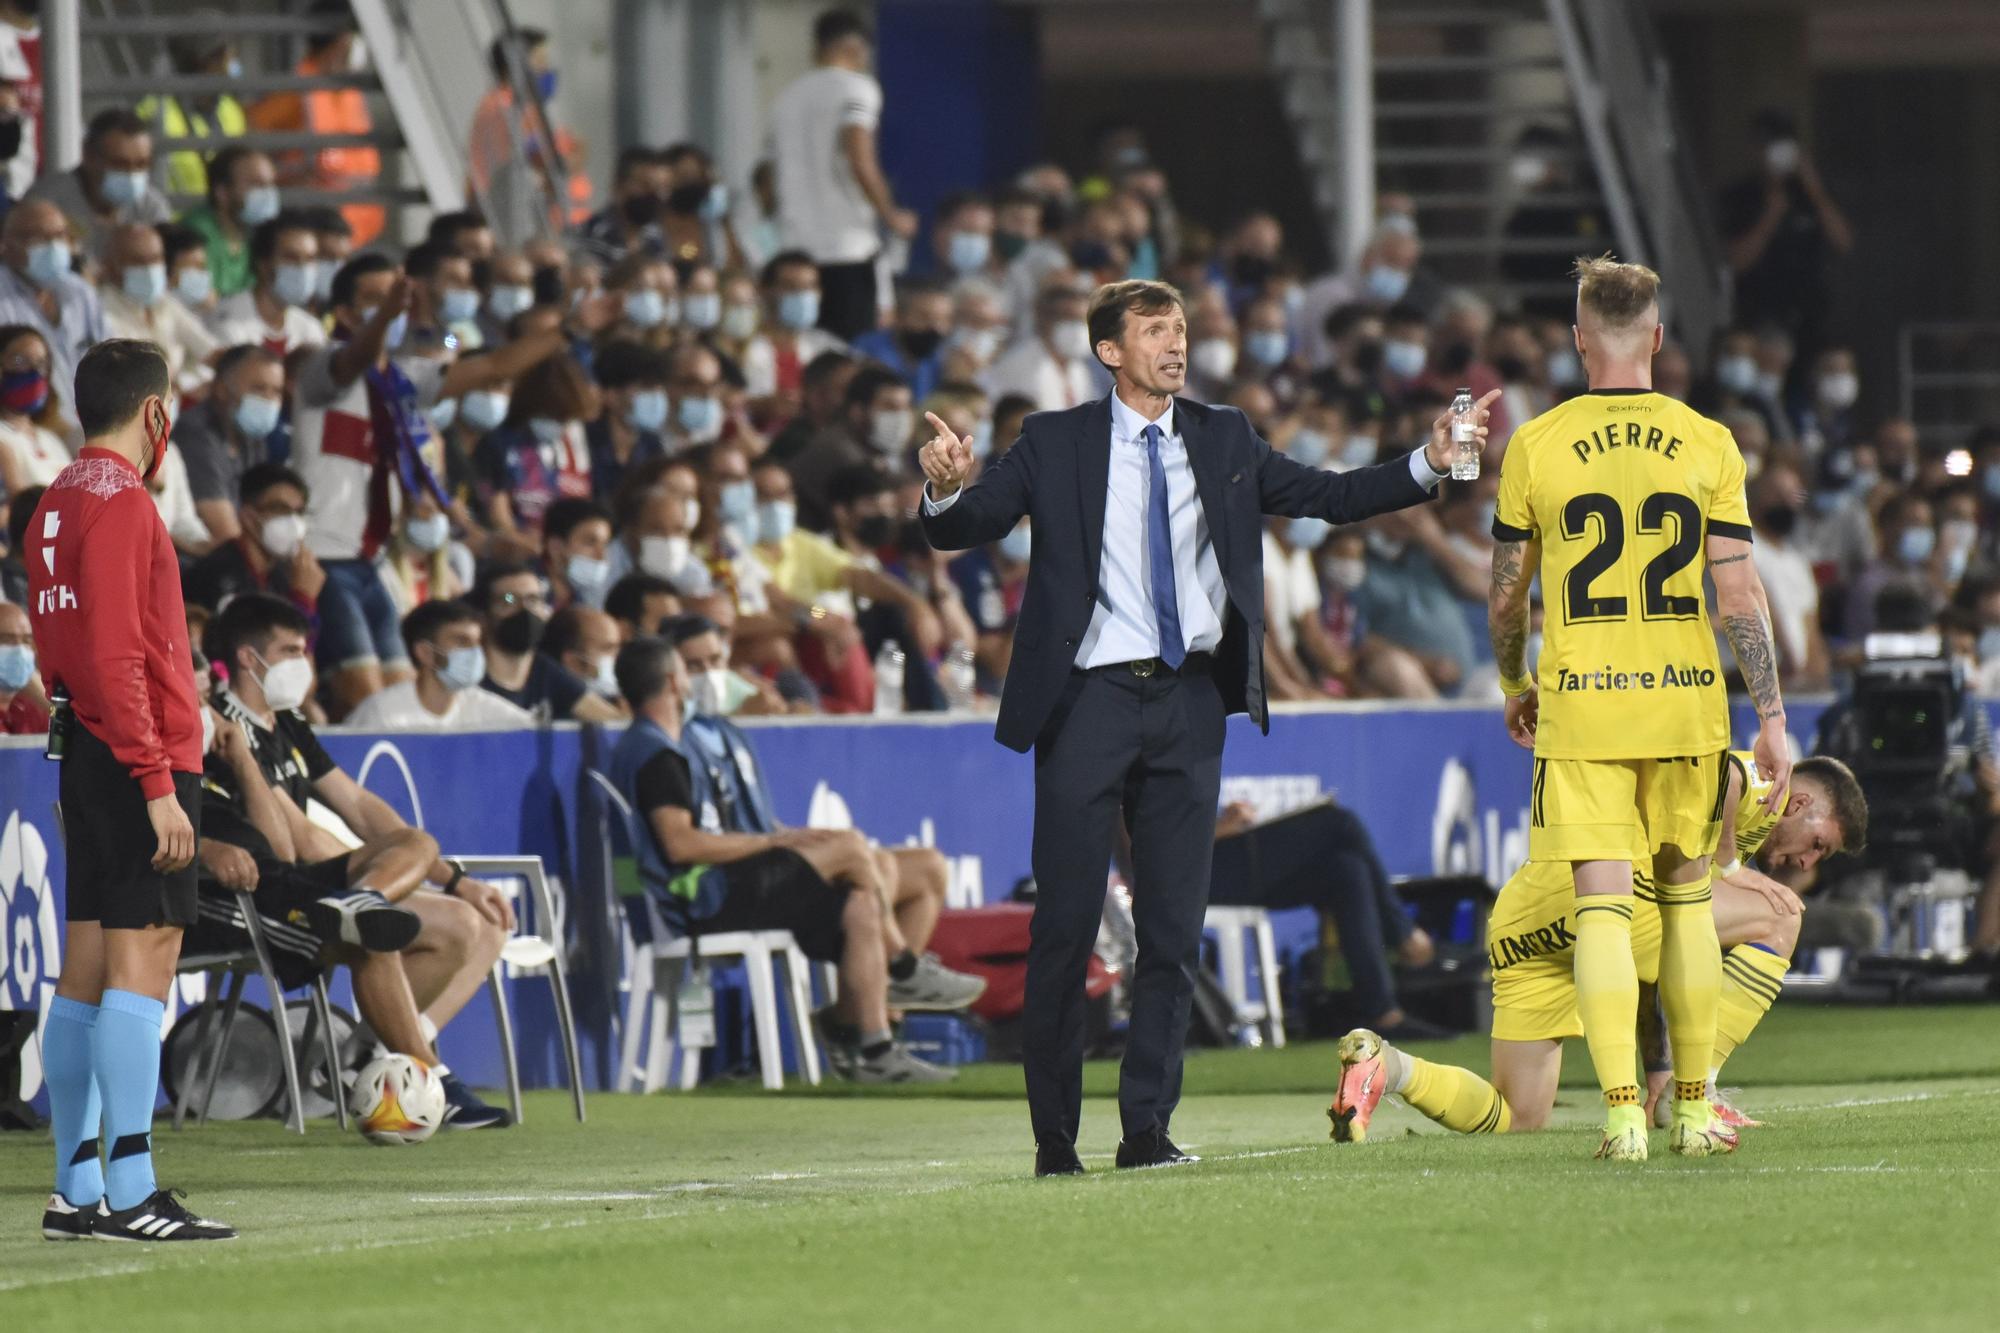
(1617,294)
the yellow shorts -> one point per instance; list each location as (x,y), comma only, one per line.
(1626,809)
(1531,947)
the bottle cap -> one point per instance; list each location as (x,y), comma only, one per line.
(1464,391)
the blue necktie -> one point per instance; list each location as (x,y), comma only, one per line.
(1160,555)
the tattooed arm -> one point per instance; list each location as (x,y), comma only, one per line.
(1514,566)
(1746,621)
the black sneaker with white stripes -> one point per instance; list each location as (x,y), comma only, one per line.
(464,1109)
(63,1220)
(158,1217)
(364,919)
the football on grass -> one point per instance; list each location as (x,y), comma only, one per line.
(398,1100)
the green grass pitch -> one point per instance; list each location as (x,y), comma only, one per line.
(1870,1200)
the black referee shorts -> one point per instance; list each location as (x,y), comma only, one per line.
(109,841)
(779,890)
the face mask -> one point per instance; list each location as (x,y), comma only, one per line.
(1266,347)
(1780,520)
(605,679)
(969,250)
(1359,451)
(146,284)
(700,418)
(587,575)
(546,429)
(664,557)
(982,438)
(323,282)
(286,683)
(737,503)
(1839,390)
(1564,368)
(24,391)
(1307,534)
(48,262)
(701,310)
(1214,359)
(257,416)
(459,305)
(428,533)
(1915,545)
(122,189)
(715,206)
(1347,571)
(1958,534)
(260,205)
(688,198)
(194,286)
(1071,339)
(648,411)
(709,691)
(519,632)
(798,310)
(1781,156)
(775,520)
(483,409)
(890,431)
(1767,386)
(646,308)
(17,665)
(1309,447)
(1387,284)
(506,302)
(921,344)
(979,344)
(1865,481)
(1017,543)
(1404,360)
(874,531)
(282,537)
(740,322)
(443,412)
(545,84)
(640,210)
(1388,548)
(294,283)
(463,668)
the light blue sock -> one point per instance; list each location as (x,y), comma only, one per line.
(73,1101)
(125,1053)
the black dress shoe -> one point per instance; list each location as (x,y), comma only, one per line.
(1152,1148)
(1056,1159)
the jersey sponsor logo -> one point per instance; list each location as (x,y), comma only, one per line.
(1508,950)
(62,597)
(1606,677)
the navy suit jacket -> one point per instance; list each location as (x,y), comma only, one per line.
(1058,474)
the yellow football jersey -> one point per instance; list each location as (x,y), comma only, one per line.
(1621,487)
(1753,822)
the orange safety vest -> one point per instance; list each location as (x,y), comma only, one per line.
(327,111)
(492,146)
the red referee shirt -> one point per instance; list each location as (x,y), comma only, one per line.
(104,597)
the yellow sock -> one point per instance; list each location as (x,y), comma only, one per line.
(1690,976)
(1607,991)
(1456,1098)
(1751,980)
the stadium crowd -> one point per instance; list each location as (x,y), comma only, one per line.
(707,403)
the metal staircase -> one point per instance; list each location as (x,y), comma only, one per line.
(1452,86)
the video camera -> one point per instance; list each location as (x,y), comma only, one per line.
(1895,731)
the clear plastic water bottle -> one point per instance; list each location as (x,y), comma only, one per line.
(1464,438)
(889,679)
(961,678)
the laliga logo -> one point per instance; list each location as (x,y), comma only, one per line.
(29,943)
(1465,842)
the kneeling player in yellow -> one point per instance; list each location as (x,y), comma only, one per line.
(1531,947)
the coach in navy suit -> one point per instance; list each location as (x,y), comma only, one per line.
(1142,629)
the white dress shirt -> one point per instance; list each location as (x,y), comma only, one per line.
(1123,627)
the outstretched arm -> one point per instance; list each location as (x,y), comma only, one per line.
(957,517)
(1514,565)
(1746,621)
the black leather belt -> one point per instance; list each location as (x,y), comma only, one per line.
(1195,664)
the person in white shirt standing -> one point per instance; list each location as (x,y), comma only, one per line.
(445,643)
(833,199)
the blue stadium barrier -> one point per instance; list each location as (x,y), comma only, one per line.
(1441,787)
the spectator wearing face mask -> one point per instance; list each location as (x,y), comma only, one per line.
(510,291)
(656,512)
(979,330)
(1735,382)
(822,391)
(1355,662)
(112,186)
(1385,273)
(23,705)
(1405,356)
(539,455)
(515,603)
(32,452)
(1826,420)
(228,432)
(242,196)
(1054,366)
(444,302)
(649,304)
(1838,531)
(583,642)
(992,581)
(867,518)
(702,408)
(188,278)
(1212,349)
(913,346)
(512,149)
(875,424)
(1906,542)
(696,218)
(807,598)
(274,311)
(1777,500)
(1780,228)
(775,359)
(962,248)
(1292,603)
(1415,580)
(1267,350)
(576,544)
(134,291)
(446,642)
(632,379)
(631,221)
(38,289)
(422,561)
(701,302)
(268,552)
(1247,258)
(1958,535)
(340,112)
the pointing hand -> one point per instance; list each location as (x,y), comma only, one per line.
(946,459)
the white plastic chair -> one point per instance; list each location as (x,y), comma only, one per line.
(1231,925)
(652,990)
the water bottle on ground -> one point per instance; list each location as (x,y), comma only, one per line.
(889,679)
(961,678)
(1464,438)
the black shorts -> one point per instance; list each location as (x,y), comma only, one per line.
(779,890)
(109,841)
(283,893)
(848,304)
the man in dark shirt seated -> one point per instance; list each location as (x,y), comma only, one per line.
(515,602)
(269,554)
(822,885)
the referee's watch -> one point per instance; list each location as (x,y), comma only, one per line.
(457,875)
